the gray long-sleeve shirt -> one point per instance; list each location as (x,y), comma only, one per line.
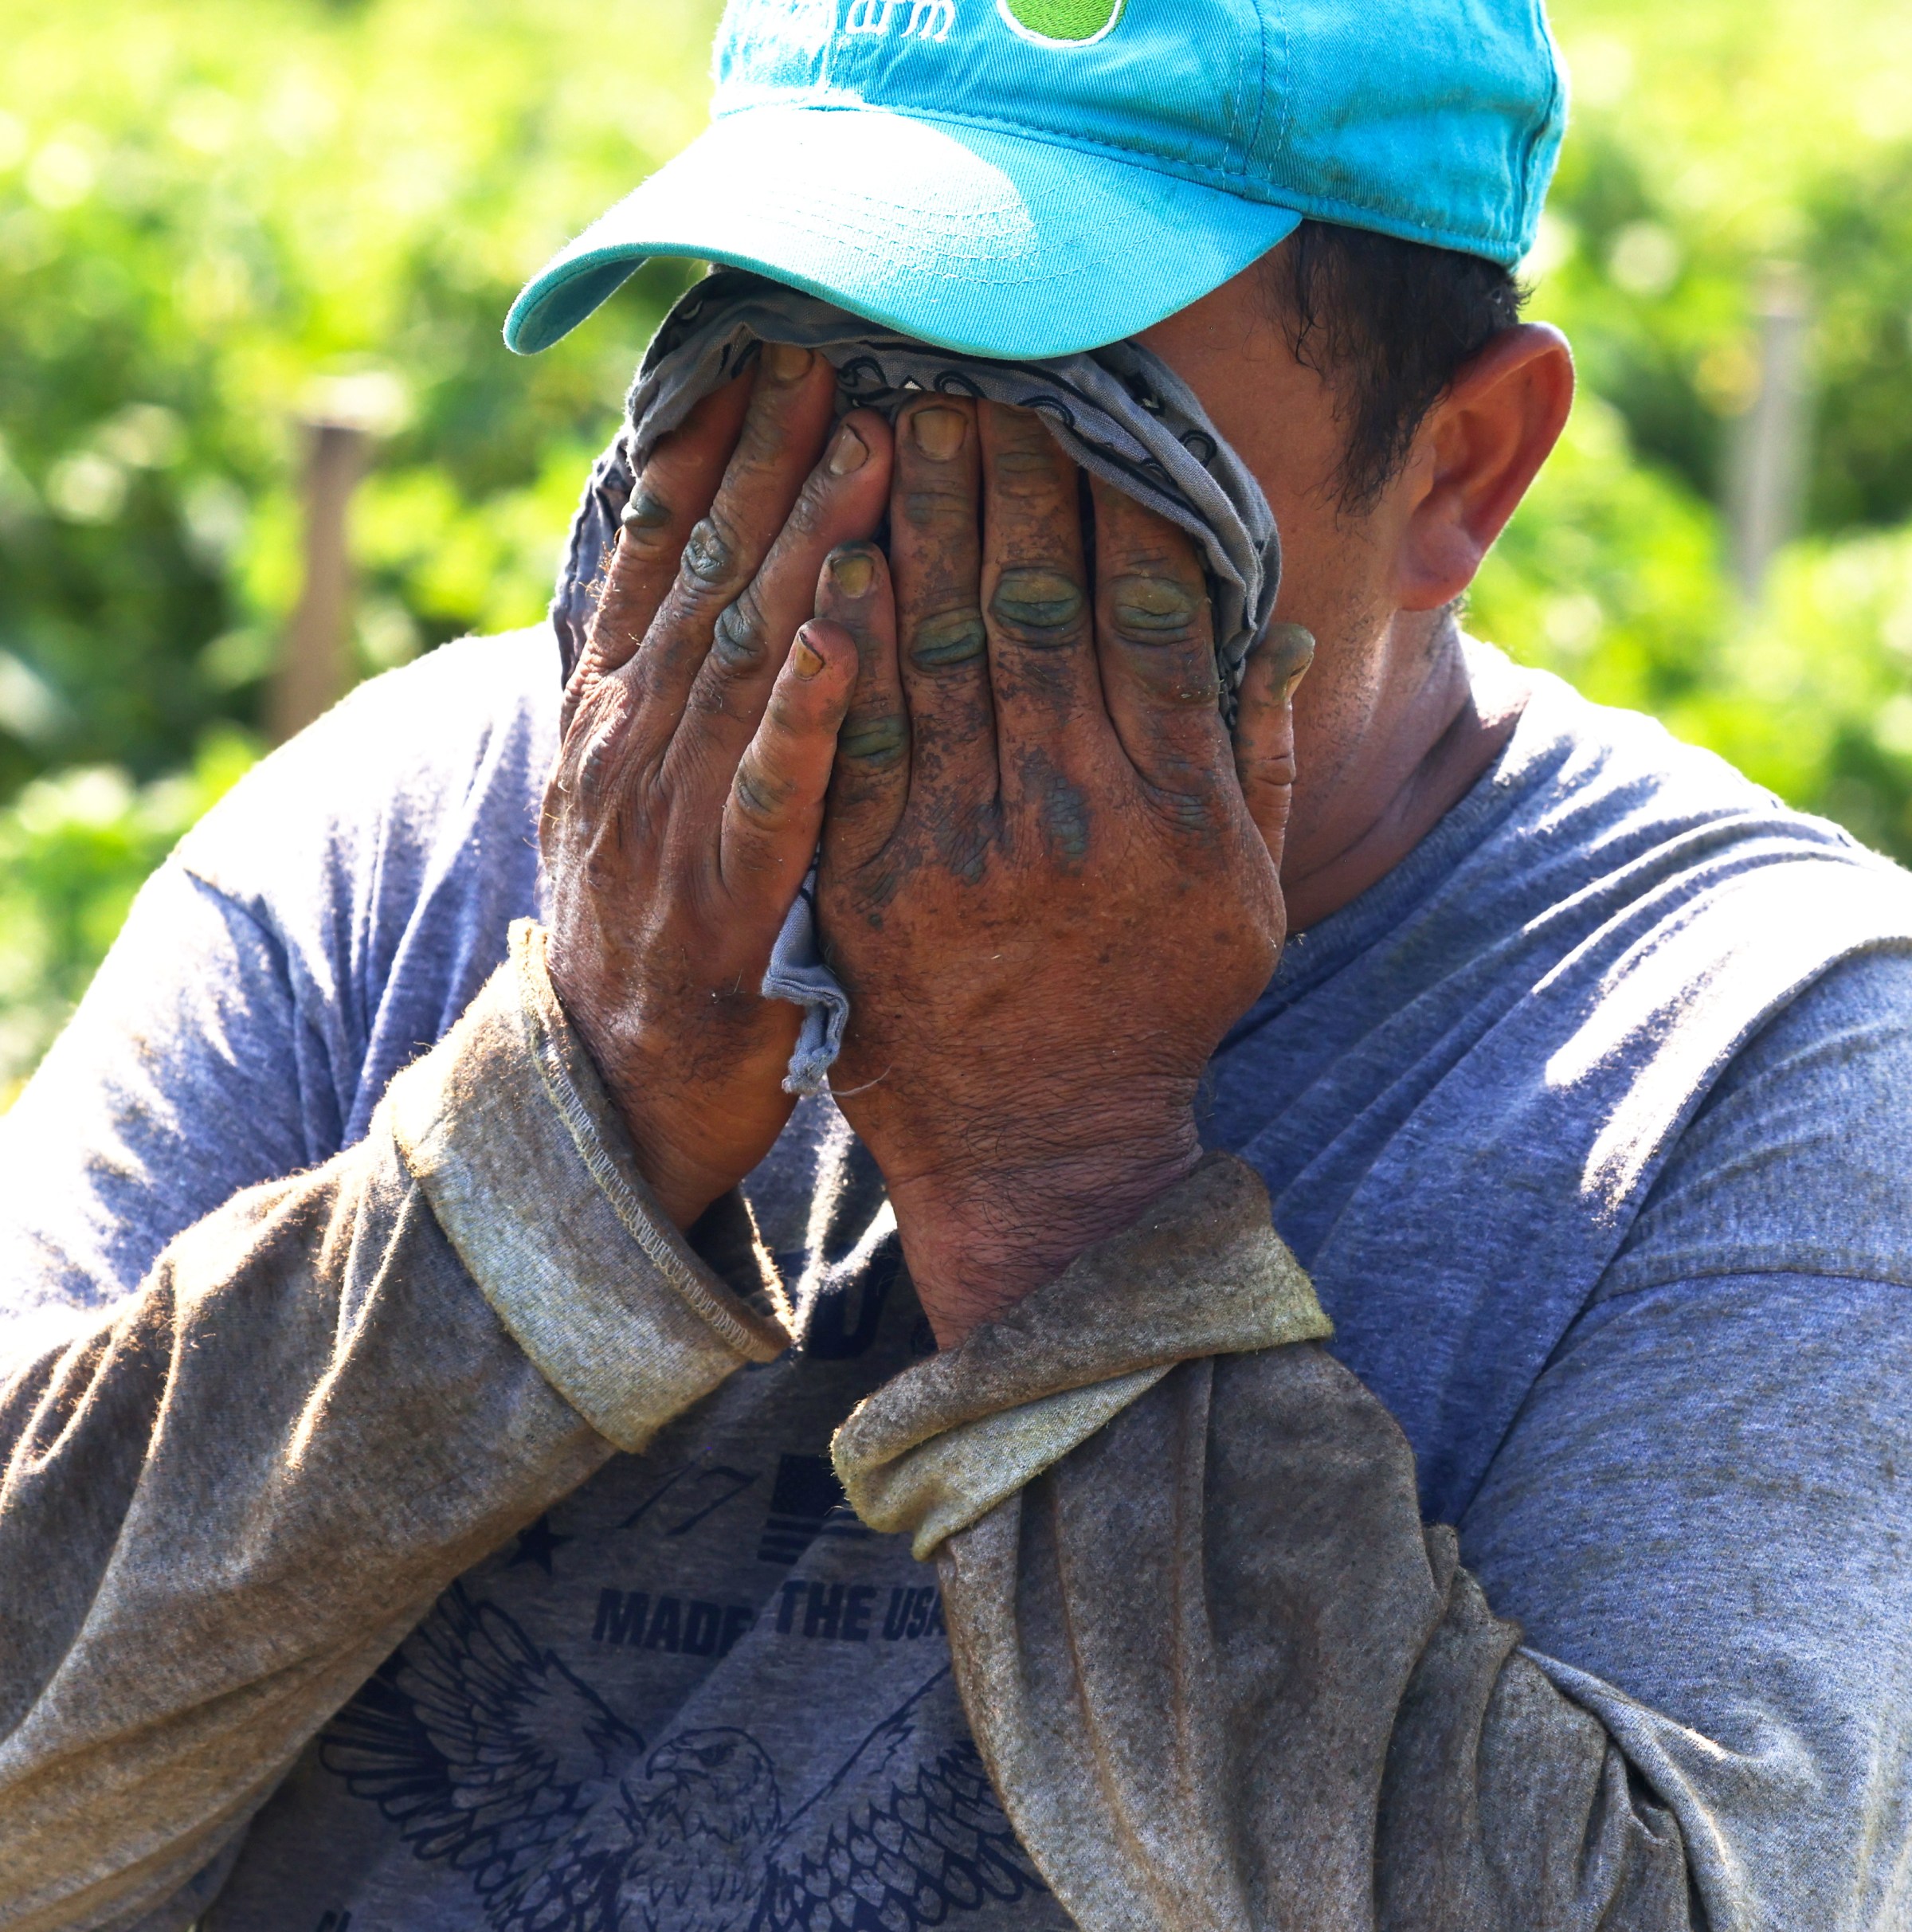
(1585,1124)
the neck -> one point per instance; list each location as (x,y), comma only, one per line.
(1437,714)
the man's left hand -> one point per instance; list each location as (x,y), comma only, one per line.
(1045,885)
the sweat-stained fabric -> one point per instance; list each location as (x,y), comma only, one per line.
(1119,411)
(1586,1126)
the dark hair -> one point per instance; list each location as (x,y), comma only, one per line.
(1391,322)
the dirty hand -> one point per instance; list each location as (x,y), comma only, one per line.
(1046,884)
(697,747)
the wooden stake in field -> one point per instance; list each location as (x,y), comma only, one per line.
(1770,453)
(314,667)
(343,415)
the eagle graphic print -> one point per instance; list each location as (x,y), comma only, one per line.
(492,1755)
(696,1694)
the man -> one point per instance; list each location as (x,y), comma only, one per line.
(414,1512)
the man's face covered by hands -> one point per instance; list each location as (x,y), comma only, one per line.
(1048,878)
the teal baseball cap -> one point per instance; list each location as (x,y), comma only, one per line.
(1023,178)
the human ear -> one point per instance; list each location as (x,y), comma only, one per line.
(1474,458)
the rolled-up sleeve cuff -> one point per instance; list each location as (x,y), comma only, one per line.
(516,1146)
(1202,1273)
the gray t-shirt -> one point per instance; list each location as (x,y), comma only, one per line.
(1586,1120)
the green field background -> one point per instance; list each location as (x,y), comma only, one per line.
(213,214)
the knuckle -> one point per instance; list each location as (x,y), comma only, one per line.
(787,717)
(584,680)
(935,508)
(1186,792)
(604,707)
(1188,814)
(1038,606)
(1273,771)
(964,843)
(760,795)
(651,675)
(618,611)
(949,637)
(1029,472)
(810,511)
(599,744)
(875,742)
(738,643)
(1065,819)
(1176,681)
(765,440)
(1154,611)
(710,552)
(644,522)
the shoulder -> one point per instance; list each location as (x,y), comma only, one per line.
(1799,1160)
(1655,890)
(1496,1060)
(1671,909)
(1576,957)
(1605,896)
(455,741)
(1591,795)
(329,918)
(383,853)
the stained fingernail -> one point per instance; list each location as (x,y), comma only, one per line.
(848,452)
(1291,650)
(939,432)
(852,573)
(645,512)
(805,659)
(784,362)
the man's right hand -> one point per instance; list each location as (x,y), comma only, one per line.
(698,733)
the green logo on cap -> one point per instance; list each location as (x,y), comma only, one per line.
(1062,23)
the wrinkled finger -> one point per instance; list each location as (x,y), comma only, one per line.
(1265,729)
(784,431)
(677,487)
(871,784)
(936,567)
(1050,723)
(843,501)
(775,811)
(1155,642)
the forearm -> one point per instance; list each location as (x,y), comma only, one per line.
(221,1508)
(1222,1676)
(1223,1618)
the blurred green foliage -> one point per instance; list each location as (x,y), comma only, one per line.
(217,217)
(1707,143)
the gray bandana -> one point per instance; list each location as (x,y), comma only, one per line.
(1119,411)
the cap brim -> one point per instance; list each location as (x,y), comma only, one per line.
(983,242)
